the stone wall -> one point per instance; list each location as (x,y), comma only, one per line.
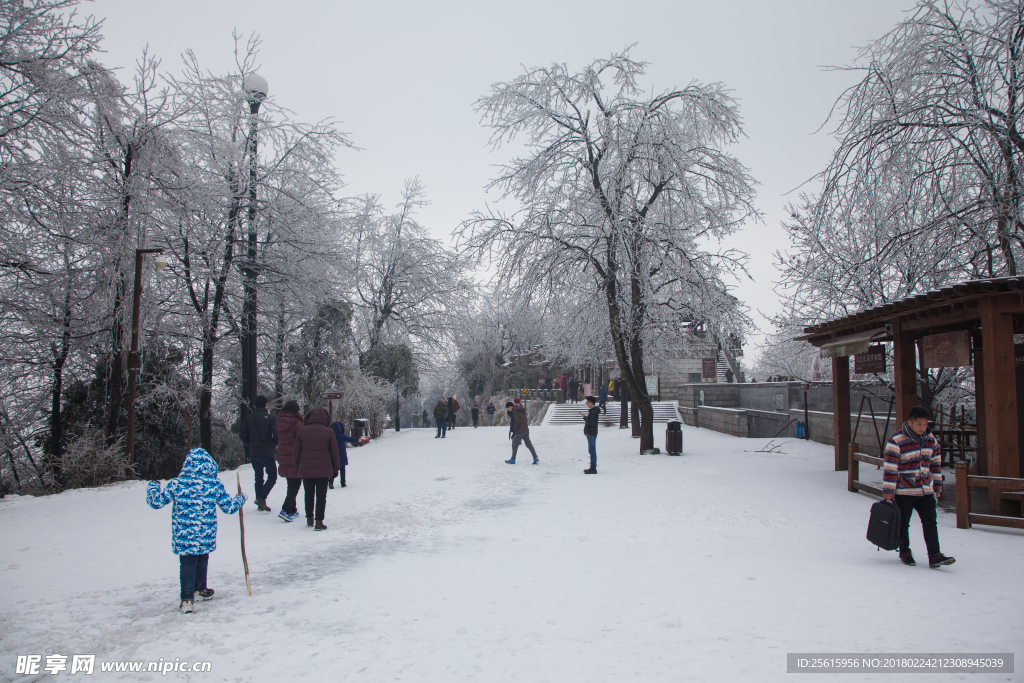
(749,410)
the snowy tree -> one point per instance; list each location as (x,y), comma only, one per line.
(406,282)
(621,195)
(930,143)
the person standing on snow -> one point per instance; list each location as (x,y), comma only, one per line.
(425,418)
(912,475)
(520,432)
(196,492)
(441,417)
(259,437)
(490,414)
(317,460)
(590,419)
(453,409)
(343,438)
(289,422)
(476,414)
(604,399)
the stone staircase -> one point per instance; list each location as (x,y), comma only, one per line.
(566,414)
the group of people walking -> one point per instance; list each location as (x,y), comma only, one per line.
(311,453)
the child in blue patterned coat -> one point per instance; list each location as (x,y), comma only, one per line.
(196,492)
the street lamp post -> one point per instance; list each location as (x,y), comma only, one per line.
(255,87)
(133,354)
(398,411)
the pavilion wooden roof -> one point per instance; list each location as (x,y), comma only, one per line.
(880,315)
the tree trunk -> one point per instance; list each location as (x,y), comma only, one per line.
(55,447)
(206,393)
(279,356)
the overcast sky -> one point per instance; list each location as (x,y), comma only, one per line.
(402,77)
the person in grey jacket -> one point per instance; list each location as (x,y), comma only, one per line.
(590,420)
(259,436)
(520,431)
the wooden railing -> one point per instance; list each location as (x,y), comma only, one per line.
(1008,487)
(853,471)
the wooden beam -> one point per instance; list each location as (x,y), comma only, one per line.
(904,366)
(996,520)
(1000,397)
(963,496)
(841,410)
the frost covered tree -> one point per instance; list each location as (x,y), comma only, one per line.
(622,193)
(925,186)
(406,282)
(930,150)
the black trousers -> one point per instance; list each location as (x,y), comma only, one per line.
(926,509)
(293,492)
(342,473)
(261,466)
(315,487)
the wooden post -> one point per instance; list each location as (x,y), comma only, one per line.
(980,457)
(841,410)
(963,497)
(853,472)
(904,366)
(1000,398)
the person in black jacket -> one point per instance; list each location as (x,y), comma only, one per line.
(490,414)
(476,414)
(259,436)
(590,418)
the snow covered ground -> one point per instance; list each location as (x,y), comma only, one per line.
(442,563)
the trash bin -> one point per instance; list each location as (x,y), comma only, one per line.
(801,430)
(360,428)
(674,438)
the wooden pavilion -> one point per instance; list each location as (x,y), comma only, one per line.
(971,323)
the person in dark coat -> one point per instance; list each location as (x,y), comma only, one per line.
(521,432)
(317,460)
(288,424)
(425,418)
(604,399)
(343,438)
(259,437)
(574,388)
(453,409)
(490,414)
(441,417)
(590,420)
(476,414)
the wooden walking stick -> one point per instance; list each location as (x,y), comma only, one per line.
(241,525)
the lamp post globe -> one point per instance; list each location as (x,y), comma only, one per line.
(255,86)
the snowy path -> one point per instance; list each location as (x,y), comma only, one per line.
(442,563)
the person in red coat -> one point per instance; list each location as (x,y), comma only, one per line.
(317,460)
(288,424)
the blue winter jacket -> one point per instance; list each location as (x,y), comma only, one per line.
(339,433)
(196,492)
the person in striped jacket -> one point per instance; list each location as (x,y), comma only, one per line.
(912,478)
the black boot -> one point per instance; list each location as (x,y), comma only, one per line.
(590,470)
(309,521)
(907,558)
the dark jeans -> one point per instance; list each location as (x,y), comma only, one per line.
(925,506)
(315,487)
(193,574)
(293,492)
(592,447)
(604,406)
(451,421)
(442,426)
(522,438)
(259,466)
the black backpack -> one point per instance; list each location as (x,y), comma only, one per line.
(885,525)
